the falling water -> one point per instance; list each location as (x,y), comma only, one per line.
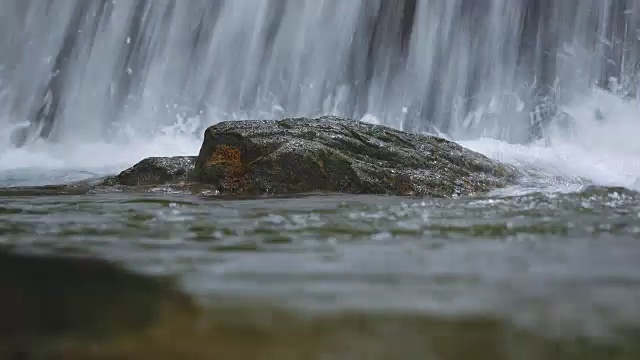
(550,271)
(98,71)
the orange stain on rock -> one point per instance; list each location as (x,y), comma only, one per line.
(230,160)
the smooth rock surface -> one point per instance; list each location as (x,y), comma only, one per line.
(332,154)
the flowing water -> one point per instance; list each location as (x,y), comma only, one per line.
(91,87)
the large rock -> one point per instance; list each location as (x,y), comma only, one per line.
(332,154)
(327,154)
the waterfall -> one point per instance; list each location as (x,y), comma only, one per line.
(84,70)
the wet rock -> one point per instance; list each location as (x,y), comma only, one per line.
(327,154)
(239,329)
(156,171)
(87,309)
(48,301)
(332,154)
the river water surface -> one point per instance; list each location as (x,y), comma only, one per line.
(556,266)
(547,269)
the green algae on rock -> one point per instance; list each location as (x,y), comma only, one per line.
(331,154)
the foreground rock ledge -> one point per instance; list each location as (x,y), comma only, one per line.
(50,302)
(327,154)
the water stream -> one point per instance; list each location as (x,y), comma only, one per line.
(89,87)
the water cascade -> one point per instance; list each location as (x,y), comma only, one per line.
(76,71)
(514,238)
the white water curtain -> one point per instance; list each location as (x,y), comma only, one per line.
(468,67)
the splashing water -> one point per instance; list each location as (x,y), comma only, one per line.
(108,83)
(597,146)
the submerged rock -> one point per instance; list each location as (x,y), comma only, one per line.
(87,309)
(332,154)
(49,301)
(327,154)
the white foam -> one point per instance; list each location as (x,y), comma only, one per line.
(74,159)
(602,146)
